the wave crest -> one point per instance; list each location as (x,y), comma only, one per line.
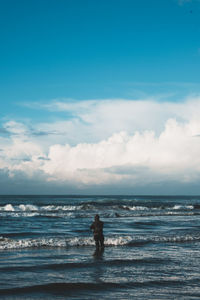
(6,243)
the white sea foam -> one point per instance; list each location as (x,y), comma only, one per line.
(6,243)
(118,241)
(58,208)
(37,213)
(64,207)
(43,242)
(183,207)
(177,239)
(30,207)
(135,207)
(80,241)
(27,207)
(20,207)
(109,241)
(31,243)
(7,207)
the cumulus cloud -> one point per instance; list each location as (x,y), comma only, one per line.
(174,154)
(115,142)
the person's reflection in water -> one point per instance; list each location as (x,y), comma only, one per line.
(99,266)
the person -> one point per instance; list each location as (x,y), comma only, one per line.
(97,227)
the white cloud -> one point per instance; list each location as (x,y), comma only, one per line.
(94,120)
(174,154)
(13,127)
(108,142)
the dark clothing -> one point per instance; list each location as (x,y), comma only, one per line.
(97,227)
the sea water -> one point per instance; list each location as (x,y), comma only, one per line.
(152,247)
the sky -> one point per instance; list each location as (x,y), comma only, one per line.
(100,97)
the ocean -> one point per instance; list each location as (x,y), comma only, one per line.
(152,247)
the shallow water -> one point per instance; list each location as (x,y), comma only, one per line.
(151,247)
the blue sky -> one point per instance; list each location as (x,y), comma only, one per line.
(78,78)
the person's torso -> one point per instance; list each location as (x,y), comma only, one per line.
(98,227)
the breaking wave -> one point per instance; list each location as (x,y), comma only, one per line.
(7,243)
(84,210)
(30,207)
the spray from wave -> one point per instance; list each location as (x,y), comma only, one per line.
(6,243)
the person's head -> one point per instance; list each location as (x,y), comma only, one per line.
(96,218)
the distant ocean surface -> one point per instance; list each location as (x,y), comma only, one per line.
(152,247)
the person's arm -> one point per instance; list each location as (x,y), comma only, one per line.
(92,226)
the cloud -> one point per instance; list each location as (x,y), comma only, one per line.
(4,132)
(173,155)
(119,143)
(93,120)
(19,129)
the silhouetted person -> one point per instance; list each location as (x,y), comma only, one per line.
(97,227)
